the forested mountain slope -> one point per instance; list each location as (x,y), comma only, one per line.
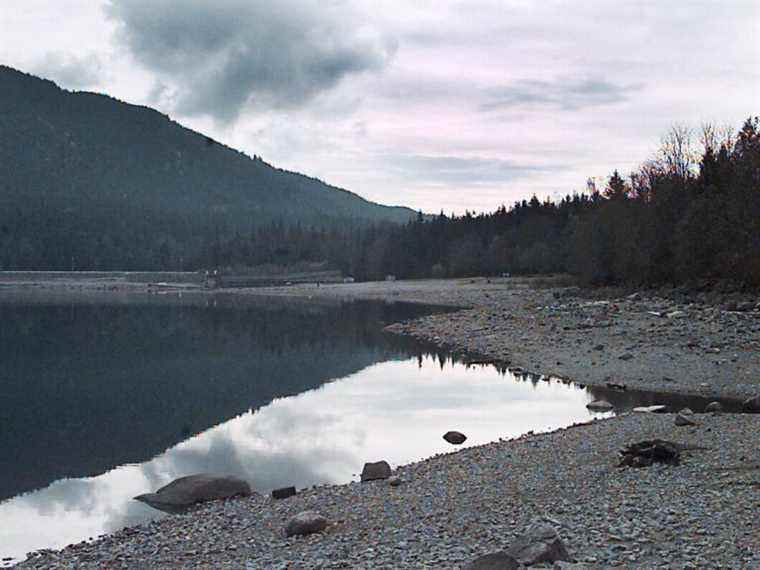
(89,181)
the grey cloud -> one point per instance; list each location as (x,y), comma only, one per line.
(459,170)
(565,94)
(70,71)
(220,56)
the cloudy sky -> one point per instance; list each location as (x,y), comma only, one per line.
(435,104)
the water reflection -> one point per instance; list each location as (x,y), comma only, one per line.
(394,410)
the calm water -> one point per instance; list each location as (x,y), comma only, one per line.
(102,399)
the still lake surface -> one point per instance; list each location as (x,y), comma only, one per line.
(106,397)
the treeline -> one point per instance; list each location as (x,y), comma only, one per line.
(692,212)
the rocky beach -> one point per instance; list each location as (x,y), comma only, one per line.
(448,510)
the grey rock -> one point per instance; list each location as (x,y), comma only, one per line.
(493,561)
(376,470)
(600,406)
(626,356)
(283,493)
(184,492)
(682,420)
(306,522)
(455,437)
(713,407)
(686,412)
(751,405)
(540,543)
(395,481)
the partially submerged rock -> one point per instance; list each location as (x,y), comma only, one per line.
(714,407)
(306,522)
(455,437)
(600,406)
(644,453)
(184,492)
(540,543)
(376,470)
(493,561)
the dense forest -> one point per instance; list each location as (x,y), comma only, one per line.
(692,212)
(90,182)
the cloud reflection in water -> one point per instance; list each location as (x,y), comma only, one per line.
(395,410)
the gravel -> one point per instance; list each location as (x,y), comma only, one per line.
(642,341)
(454,507)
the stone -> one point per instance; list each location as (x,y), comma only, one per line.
(395,481)
(540,543)
(656,409)
(375,471)
(683,420)
(284,493)
(600,406)
(306,522)
(686,412)
(184,492)
(751,405)
(626,356)
(493,561)
(713,407)
(455,437)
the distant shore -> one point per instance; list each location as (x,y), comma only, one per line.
(696,344)
(703,344)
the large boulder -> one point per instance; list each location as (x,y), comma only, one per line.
(184,492)
(376,470)
(493,561)
(600,406)
(751,405)
(306,522)
(540,543)
(455,437)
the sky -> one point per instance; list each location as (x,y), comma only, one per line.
(434,104)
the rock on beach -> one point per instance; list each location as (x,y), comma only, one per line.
(455,437)
(187,491)
(375,471)
(306,522)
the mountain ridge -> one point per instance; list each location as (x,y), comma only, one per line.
(77,160)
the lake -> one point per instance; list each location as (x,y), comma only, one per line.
(106,397)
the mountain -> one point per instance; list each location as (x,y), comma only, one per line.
(94,182)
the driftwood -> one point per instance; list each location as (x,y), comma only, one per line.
(644,453)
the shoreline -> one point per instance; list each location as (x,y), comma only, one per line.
(646,343)
(470,502)
(453,507)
